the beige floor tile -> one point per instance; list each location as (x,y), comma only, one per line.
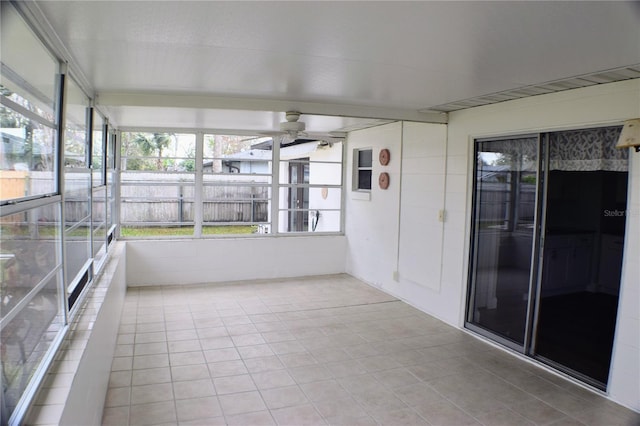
(300,415)
(321,350)
(150,361)
(255,351)
(149,376)
(244,402)
(343,407)
(209,343)
(152,414)
(503,418)
(186,358)
(115,416)
(224,354)
(310,373)
(189,372)
(234,384)
(184,346)
(151,393)
(140,349)
(261,364)
(444,413)
(198,408)
(227,368)
(352,421)
(117,397)
(283,397)
(278,336)
(405,416)
(346,368)
(247,339)
(297,359)
(122,363)
(324,390)
(537,411)
(158,336)
(272,379)
(259,418)
(193,389)
(120,378)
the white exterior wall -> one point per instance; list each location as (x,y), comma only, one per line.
(324,174)
(375,237)
(174,262)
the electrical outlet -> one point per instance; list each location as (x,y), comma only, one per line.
(442,215)
(396,276)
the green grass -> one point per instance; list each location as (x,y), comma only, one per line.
(131,232)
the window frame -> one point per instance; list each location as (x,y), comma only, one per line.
(357,168)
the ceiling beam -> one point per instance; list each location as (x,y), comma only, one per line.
(166,100)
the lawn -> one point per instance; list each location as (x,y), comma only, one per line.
(131,232)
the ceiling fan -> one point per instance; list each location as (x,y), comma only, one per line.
(293,131)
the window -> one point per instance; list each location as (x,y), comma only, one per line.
(236,189)
(310,187)
(27,123)
(157,184)
(363,163)
(31,314)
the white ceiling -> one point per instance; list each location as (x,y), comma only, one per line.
(242,64)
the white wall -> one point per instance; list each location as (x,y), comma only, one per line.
(395,236)
(170,262)
(417,192)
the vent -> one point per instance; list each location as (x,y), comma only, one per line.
(618,74)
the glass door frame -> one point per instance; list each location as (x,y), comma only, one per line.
(534,274)
(530,343)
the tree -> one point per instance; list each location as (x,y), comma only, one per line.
(154,145)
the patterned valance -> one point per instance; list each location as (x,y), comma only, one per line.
(573,150)
(588,150)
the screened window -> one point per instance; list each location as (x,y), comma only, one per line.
(30,316)
(310,186)
(27,125)
(236,184)
(157,184)
(77,191)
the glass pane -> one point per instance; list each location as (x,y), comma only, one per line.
(75,143)
(98,223)
(77,221)
(313,220)
(584,240)
(503,230)
(26,60)
(364,179)
(234,203)
(161,199)
(29,253)
(233,154)
(97,151)
(365,158)
(27,156)
(157,183)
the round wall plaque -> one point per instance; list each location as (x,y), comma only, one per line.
(384,157)
(383,180)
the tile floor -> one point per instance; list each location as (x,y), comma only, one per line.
(323,350)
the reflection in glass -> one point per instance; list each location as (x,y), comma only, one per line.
(584,240)
(503,230)
(27,156)
(29,304)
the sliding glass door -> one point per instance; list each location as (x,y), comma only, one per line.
(503,237)
(547,238)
